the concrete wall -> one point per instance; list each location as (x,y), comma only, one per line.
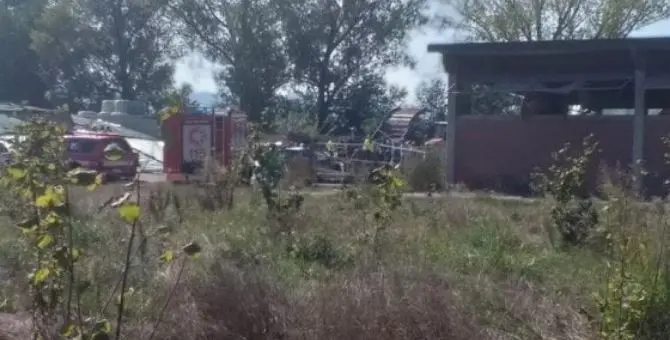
(500,153)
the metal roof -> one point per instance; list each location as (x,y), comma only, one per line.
(7,107)
(398,122)
(115,128)
(11,114)
(548,47)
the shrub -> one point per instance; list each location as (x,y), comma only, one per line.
(574,217)
(425,174)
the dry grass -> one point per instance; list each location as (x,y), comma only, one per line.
(451,268)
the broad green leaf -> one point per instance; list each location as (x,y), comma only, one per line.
(41,275)
(167,256)
(69,330)
(45,241)
(44,201)
(97,182)
(51,219)
(53,196)
(398,182)
(76,253)
(130,212)
(16,173)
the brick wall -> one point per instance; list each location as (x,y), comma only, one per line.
(500,153)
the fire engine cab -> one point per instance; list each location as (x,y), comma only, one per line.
(192,139)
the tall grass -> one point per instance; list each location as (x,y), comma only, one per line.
(449,268)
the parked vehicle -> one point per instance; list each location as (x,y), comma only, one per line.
(106,153)
(5,153)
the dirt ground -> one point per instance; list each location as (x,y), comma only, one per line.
(14,326)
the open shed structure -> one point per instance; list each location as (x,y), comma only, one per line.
(490,151)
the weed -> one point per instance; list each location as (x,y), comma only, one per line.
(574,216)
(283,264)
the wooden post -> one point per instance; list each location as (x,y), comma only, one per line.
(639,120)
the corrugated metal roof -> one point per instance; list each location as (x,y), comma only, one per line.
(7,107)
(398,122)
(10,115)
(15,114)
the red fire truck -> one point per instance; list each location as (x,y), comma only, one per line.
(191,140)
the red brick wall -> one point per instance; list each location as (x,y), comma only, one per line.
(500,153)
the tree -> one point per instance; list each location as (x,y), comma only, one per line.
(120,47)
(242,36)
(290,115)
(180,96)
(518,20)
(338,46)
(135,42)
(363,105)
(64,45)
(19,65)
(432,95)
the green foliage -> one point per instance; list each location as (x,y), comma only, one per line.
(384,196)
(520,20)
(319,250)
(425,174)
(314,44)
(363,106)
(486,251)
(19,65)
(573,217)
(433,96)
(243,37)
(90,50)
(348,65)
(265,164)
(173,101)
(41,179)
(635,298)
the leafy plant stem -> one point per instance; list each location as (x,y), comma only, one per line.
(168,299)
(124,281)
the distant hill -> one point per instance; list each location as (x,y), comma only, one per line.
(205,98)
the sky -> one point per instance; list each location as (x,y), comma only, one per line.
(197,71)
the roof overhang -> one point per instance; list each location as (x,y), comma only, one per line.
(551,59)
(556,47)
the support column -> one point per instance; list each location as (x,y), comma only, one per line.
(639,120)
(450,135)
